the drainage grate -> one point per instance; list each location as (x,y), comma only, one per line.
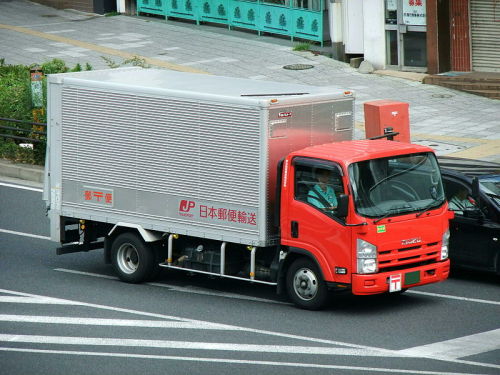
(298,67)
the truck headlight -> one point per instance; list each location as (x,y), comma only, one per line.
(444,244)
(367,257)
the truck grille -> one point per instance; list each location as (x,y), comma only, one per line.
(408,257)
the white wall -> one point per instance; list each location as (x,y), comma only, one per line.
(335,20)
(374,32)
(120,6)
(353,26)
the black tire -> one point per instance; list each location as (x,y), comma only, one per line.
(133,260)
(305,285)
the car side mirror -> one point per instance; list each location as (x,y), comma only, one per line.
(342,205)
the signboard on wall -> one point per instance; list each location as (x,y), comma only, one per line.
(414,12)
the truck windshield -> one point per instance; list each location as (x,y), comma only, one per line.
(397,185)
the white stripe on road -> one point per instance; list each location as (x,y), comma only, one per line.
(110,322)
(24,234)
(86,273)
(232,327)
(243,329)
(232,295)
(189,345)
(21,187)
(175,288)
(232,361)
(454,297)
(460,347)
(33,300)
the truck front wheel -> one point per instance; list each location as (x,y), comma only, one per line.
(132,259)
(305,284)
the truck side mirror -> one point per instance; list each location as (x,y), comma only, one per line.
(342,205)
(476,193)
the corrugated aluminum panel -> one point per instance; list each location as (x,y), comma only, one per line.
(179,147)
(485,35)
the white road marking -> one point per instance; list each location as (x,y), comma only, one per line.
(195,290)
(454,297)
(387,352)
(21,187)
(188,345)
(110,322)
(86,273)
(460,347)
(24,234)
(32,300)
(192,290)
(229,360)
(232,327)
(238,296)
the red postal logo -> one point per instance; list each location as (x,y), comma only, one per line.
(186,206)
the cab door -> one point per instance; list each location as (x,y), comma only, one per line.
(310,224)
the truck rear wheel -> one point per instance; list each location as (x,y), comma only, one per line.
(132,259)
(305,285)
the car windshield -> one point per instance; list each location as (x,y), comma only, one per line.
(397,185)
(490,184)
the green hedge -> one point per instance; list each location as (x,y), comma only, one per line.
(15,103)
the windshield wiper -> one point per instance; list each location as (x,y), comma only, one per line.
(429,206)
(389,212)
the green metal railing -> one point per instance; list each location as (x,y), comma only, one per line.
(304,19)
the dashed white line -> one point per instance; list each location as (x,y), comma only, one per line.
(489,302)
(24,234)
(21,187)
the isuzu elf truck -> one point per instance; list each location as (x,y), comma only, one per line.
(240,179)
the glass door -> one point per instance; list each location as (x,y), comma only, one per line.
(405,35)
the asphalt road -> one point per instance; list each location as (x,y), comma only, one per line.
(70,315)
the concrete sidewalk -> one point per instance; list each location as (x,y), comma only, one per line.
(452,122)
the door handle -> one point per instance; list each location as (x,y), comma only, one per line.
(295,229)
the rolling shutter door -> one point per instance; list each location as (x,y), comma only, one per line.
(485,35)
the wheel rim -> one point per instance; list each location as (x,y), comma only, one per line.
(127,258)
(305,284)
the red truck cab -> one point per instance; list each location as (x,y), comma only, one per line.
(385,229)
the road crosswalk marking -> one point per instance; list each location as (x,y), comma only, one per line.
(460,347)
(113,322)
(188,345)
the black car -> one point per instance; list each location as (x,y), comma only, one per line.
(475,230)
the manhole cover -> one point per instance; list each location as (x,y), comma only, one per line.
(442,96)
(298,67)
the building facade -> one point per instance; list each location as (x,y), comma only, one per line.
(425,35)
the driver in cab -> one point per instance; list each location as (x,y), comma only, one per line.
(322,194)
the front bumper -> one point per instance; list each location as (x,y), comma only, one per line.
(379,282)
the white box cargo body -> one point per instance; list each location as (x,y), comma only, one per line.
(180,153)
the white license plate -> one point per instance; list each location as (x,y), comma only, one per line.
(395,283)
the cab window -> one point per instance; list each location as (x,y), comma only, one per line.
(318,183)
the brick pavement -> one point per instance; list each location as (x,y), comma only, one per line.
(453,122)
